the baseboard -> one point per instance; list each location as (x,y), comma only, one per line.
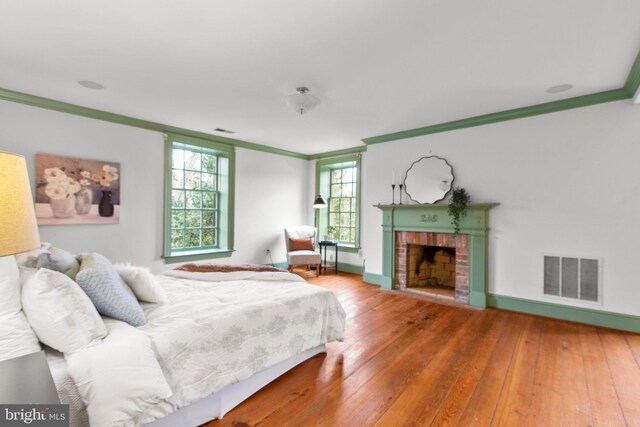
(283,264)
(590,316)
(377,279)
(350,268)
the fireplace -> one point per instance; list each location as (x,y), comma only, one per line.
(405,227)
(431,267)
(433,263)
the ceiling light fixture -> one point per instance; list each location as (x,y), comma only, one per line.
(559,88)
(302,101)
(90,84)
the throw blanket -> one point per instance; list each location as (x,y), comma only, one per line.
(221,268)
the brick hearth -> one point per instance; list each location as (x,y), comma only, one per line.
(460,243)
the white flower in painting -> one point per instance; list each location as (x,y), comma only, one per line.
(56,191)
(54,174)
(72,185)
(85,182)
(85,174)
(105,176)
(110,169)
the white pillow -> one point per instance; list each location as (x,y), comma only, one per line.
(144,285)
(119,379)
(16,336)
(59,311)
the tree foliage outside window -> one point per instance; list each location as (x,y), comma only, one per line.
(343,204)
(194,197)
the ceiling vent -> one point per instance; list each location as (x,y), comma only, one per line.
(223,130)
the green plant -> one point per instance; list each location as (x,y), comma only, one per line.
(331,232)
(458,207)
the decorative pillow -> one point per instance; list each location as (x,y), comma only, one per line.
(300,245)
(144,285)
(50,257)
(111,296)
(16,336)
(62,316)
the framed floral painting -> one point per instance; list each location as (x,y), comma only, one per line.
(76,191)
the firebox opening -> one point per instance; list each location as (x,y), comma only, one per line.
(432,269)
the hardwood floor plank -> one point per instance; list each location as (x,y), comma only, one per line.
(605,406)
(411,361)
(625,373)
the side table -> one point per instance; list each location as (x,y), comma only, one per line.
(324,246)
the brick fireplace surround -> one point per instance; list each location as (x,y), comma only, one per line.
(460,243)
(430,225)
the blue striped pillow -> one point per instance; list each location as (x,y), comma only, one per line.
(111,296)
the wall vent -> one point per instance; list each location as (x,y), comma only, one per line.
(572,277)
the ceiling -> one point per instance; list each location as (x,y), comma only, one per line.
(377,66)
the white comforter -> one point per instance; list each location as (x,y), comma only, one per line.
(215,333)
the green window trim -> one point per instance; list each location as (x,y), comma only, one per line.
(323,170)
(222,174)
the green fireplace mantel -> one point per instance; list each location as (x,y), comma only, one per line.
(436,219)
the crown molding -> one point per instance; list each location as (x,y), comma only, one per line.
(501,116)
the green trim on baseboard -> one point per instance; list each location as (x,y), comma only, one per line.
(501,116)
(64,107)
(377,279)
(350,268)
(590,316)
(633,80)
(335,153)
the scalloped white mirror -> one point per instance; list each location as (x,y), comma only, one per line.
(429,179)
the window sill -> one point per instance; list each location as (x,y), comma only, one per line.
(352,249)
(197,255)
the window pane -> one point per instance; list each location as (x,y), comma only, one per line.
(177,158)
(192,161)
(208,182)
(347,190)
(177,199)
(177,219)
(344,234)
(208,162)
(193,219)
(192,238)
(207,237)
(207,200)
(336,175)
(336,190)
(194,199)
(347,175)
(177,178)
(207,219)
(345,220)
(177,239)
(332,219)
(192,180)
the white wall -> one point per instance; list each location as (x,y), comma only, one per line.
(271,190)
(568,183)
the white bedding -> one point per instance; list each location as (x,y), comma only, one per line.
(212,334)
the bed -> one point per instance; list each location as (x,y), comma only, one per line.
(222,337)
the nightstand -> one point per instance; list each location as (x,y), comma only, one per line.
(27,380)
(324,246)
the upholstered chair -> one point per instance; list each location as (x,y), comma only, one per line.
(302,257)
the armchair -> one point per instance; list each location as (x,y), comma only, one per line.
(302,257)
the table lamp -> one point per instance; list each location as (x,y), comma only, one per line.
(18,226)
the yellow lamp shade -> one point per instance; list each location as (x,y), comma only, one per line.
(18,226)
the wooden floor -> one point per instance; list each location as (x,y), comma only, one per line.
(407,361)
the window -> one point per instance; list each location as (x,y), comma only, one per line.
(338,180)
(199,198)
